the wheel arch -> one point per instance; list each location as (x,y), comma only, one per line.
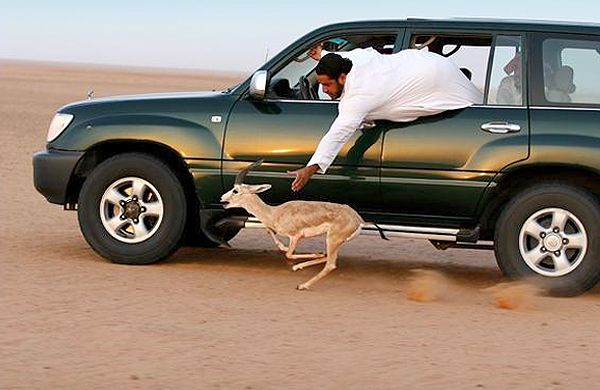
(102,151)
(512,182)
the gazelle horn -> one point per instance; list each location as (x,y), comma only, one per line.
(239,179)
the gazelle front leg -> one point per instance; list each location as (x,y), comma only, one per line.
(279,244)
(308,263)
(333,246)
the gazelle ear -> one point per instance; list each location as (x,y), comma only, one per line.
(262,188)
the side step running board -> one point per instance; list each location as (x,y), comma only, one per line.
(441,238)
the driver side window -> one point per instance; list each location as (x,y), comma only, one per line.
(297,80)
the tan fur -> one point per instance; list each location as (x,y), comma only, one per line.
(297,220)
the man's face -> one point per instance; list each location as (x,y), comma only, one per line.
(332,87)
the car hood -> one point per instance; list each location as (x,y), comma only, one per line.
(145,98)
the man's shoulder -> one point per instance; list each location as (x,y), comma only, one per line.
(412,53)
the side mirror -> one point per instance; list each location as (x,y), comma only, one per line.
(258,84)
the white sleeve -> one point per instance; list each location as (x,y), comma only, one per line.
(352,111)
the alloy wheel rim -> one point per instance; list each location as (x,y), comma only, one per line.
(553,242)
(131,210)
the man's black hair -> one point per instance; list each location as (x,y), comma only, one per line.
(333,65)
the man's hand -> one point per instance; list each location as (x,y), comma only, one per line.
(315,52)
(302,176)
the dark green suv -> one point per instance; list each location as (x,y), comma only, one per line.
(518,173)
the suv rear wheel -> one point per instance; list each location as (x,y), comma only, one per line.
(132,209)
(551,232)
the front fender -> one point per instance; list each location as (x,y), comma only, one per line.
(189,139)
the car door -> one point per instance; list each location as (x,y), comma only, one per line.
(285,128)
(438,167)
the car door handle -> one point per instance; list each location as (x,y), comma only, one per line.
(500,127)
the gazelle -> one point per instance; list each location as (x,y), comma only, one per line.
(297,220)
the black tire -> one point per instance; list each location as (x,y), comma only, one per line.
(583,271)
(165,238)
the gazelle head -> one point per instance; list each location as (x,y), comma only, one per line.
(240,193)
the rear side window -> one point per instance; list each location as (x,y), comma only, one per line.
(571,69)
(506,79)
(493,63)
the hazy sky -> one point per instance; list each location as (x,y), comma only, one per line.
(218,35)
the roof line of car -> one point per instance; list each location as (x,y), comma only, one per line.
(505,24)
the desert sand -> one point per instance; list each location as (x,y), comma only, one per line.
(231,318)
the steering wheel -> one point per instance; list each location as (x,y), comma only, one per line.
(306,91)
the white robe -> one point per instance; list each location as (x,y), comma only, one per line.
(399,87)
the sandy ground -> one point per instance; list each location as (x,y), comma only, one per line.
(231,318)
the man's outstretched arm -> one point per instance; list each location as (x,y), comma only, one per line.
(352,113)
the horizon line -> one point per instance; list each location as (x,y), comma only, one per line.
(149,68)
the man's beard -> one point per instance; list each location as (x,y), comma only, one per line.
(339,93)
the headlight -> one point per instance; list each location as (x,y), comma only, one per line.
(58,124)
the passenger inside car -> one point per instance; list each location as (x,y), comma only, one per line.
(560,85)
(509,90)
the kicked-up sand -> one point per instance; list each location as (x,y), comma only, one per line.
(232,318)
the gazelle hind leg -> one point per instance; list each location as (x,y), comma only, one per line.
(333,246)
(292,247)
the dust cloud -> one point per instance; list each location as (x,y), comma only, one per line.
(427,286)
(514,295)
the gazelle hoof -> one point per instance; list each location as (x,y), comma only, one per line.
(302,287)
(296,267)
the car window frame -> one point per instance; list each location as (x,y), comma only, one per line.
(538,95)
(428,30)
(276,66)
(524,70)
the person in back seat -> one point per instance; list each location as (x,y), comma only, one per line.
(509,90)
(561,86)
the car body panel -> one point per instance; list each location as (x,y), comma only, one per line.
(441,165)
(565,136)
(182,122)
(289,133)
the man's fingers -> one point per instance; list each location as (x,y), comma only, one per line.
(302,176)
(298,183)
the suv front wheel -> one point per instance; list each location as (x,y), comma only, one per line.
(551,232)
(132,209)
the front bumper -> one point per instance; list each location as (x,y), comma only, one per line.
(52,171)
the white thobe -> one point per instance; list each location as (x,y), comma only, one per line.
(399,87)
